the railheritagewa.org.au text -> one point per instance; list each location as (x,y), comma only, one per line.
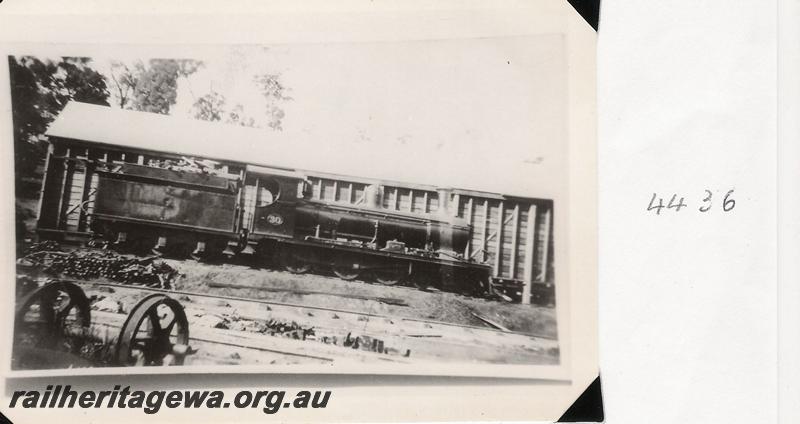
(269,401)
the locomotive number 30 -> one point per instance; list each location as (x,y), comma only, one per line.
(274,219)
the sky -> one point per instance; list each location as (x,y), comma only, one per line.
(485,114)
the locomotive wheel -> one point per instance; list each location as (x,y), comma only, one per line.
(291,261)
(424,277)
(389,276)
(346,273)
(346,268)
(50,317)
(156,333)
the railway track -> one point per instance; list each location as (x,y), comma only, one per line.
(320,308)
(239,330)
(265,350)
(408,340)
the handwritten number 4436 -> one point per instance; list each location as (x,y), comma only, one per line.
(708,202)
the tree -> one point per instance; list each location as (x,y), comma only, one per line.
(123,82)
(157,84)
(151,87)
(39,91)
(274,93)
(212,107)
(238,117)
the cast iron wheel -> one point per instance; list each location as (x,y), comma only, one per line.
(156,333)
(54,316)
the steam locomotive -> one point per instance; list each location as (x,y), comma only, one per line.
(180,206)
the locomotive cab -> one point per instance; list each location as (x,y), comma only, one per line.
(270,198)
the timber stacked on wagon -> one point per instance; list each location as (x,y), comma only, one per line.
(511,234)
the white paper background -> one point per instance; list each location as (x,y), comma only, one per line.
(687,102)
(788,218)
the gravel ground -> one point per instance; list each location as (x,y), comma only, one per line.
(534,341)
(437,306)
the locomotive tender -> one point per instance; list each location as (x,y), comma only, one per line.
(130,191)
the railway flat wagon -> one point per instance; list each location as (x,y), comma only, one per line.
(150,183)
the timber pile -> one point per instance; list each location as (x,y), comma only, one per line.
(184,164)
(149,272)
(272,327)
(293,330)
(42,246)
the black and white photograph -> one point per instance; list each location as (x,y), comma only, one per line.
(386,206)
(399,211)
(372,209)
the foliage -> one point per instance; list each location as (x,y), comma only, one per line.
(210,107)
(123,82)
(40,88)
(150,87)
(39,91)
(237,116)
(213,106)
(274,93)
